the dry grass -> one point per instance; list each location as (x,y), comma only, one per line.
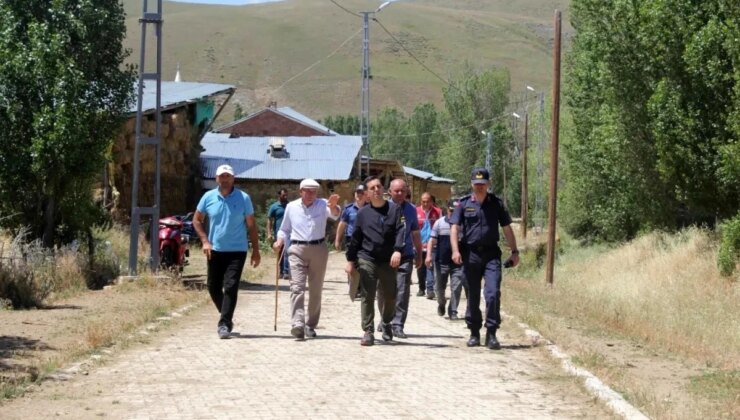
(661,288)
(662,293)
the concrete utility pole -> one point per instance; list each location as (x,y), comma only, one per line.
(555,134)
(365,88)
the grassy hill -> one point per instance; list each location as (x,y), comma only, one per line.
(260,47)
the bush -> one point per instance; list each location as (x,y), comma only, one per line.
(26,273)
(729,250)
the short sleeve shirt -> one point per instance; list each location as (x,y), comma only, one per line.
(479,222)
(276,211)
(412,224)
(227,225)
(349,216)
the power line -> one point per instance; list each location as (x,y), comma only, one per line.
(345,9)
(316,63)
(476,124)
(411,54)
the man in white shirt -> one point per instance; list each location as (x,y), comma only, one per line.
(304,223)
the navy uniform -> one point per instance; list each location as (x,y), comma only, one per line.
(477,222)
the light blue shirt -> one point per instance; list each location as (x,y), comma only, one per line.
(301,223)
(227,219)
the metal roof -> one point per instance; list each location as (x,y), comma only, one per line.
(292,113)
(287,112)
(176,94)
(426,175)
(318,157)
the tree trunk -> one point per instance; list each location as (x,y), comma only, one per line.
(49,212)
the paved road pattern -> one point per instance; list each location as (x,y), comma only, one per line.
(185,371)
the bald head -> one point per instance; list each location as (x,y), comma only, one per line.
(398,190)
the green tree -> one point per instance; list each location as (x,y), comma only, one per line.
(386,129)
(63,93)
(348,125)
(474,101)
(424,138)
(653,91)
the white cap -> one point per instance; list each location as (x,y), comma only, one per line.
(225,169)
(309,183)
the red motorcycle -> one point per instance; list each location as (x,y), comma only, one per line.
(173,244)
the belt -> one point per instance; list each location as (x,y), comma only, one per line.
(315,242)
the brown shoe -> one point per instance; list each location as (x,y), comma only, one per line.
(368,339)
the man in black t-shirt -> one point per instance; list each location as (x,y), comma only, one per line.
(375,251)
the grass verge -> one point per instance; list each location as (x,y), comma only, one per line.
(653,318)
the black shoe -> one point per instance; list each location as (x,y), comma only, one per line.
(421,293)
(474,340)
(223,332)
(310,332)
(368,339)
(454,317)
(491,341)
(441,310)
(298,332)
(398,332)
(387,332)
(430,295)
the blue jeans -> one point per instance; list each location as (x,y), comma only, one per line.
(284,263)
(424,275)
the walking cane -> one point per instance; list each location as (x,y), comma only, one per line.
(277,281)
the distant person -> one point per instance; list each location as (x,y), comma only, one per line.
(444,267)
(375,250)
(410,257)
(305,224)
(478,218)
(349,215)
(230,219)
(274,219)
(427,214)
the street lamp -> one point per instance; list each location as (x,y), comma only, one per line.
(525,192)
(365,86)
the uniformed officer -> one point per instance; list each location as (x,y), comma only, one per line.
(477,218)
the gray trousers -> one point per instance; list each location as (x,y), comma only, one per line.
(307,267)
(457,283)
(403,291)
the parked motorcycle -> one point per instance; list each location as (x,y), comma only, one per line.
(173,244)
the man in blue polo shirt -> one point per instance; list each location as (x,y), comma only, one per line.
(410,257)
(230,218)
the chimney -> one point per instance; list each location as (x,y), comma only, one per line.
(177,75)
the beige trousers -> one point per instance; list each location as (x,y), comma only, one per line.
(307,268)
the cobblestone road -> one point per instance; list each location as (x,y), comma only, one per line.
(185,371)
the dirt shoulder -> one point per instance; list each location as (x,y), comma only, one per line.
(37,342)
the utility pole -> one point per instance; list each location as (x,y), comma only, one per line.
(555,134)
(489,146)
(525,197)
(365,95)
(154,18)
(365,87)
